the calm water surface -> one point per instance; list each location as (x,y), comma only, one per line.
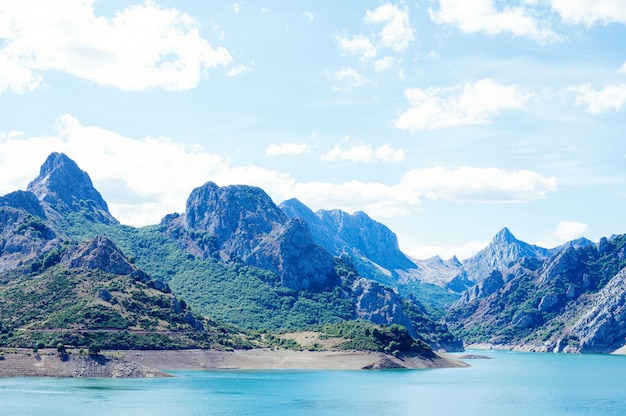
(510,384)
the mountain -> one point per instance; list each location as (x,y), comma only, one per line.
(372,243)
(570,301)
(233,255)
(90,294)
(374,251)
(63,188)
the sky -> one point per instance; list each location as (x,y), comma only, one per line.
(446,120)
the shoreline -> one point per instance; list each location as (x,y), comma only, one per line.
(155,363)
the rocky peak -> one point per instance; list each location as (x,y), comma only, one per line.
(101,254)
(63,187)
(357,234)
(237,215)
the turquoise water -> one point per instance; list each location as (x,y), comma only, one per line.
(510,384)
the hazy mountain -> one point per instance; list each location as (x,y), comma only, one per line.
(570,301)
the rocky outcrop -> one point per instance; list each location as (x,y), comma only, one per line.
(62,187)
(371,243)
(290,252)
(101,254)
(379,304)
(242,224)
(26,201)
(602,329)
(23,237)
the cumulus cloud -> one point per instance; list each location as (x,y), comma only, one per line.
(590,13)
(474,16)
(468,104)
(364,153)
(610,98)
(469,184)
(140,47)
(143,179)
(237,70)
(396,33)
(308,15)
(570,230)
(463,251)
(351,77)
(287,149)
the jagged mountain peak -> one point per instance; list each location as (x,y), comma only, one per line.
(503,237)
(63,187)
(221,209)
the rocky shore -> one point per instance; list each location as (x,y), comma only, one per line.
(154,363)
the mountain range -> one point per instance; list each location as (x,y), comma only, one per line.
(238,263)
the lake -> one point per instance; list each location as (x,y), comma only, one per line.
(509,384)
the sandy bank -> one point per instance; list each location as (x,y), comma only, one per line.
(282,359)
(24,363)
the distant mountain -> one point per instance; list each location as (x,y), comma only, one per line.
(568,301)
(373,249)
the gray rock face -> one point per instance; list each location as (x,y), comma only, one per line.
(23,237)
(603,328)
(379,304)
(245,225)
(23,200)
(370,243)
(238,216)
(101,254)
(290,252)
(62,187)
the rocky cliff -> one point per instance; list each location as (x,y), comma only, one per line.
(570,301)
(63,188)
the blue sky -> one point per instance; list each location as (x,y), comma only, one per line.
(446,120)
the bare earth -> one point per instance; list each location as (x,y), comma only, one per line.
(24,363)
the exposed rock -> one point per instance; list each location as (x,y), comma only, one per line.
(243,224)
(603,328)
(548,302)
(23,200)
(367,240)
(379,304)
(100,253)
(63,187)
(292,254)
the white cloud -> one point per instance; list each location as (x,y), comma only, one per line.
(396,33)
(287,149)
(351,77)
(384,63)
(364,153)
(141,47)
(236,8)
(308,15)
(611,97)
(143,179)
(358,45)
(590,13)
(463,251)
(570,230)
(622,69)
(474,16)
(237,70)
(469,104)
(468,184)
